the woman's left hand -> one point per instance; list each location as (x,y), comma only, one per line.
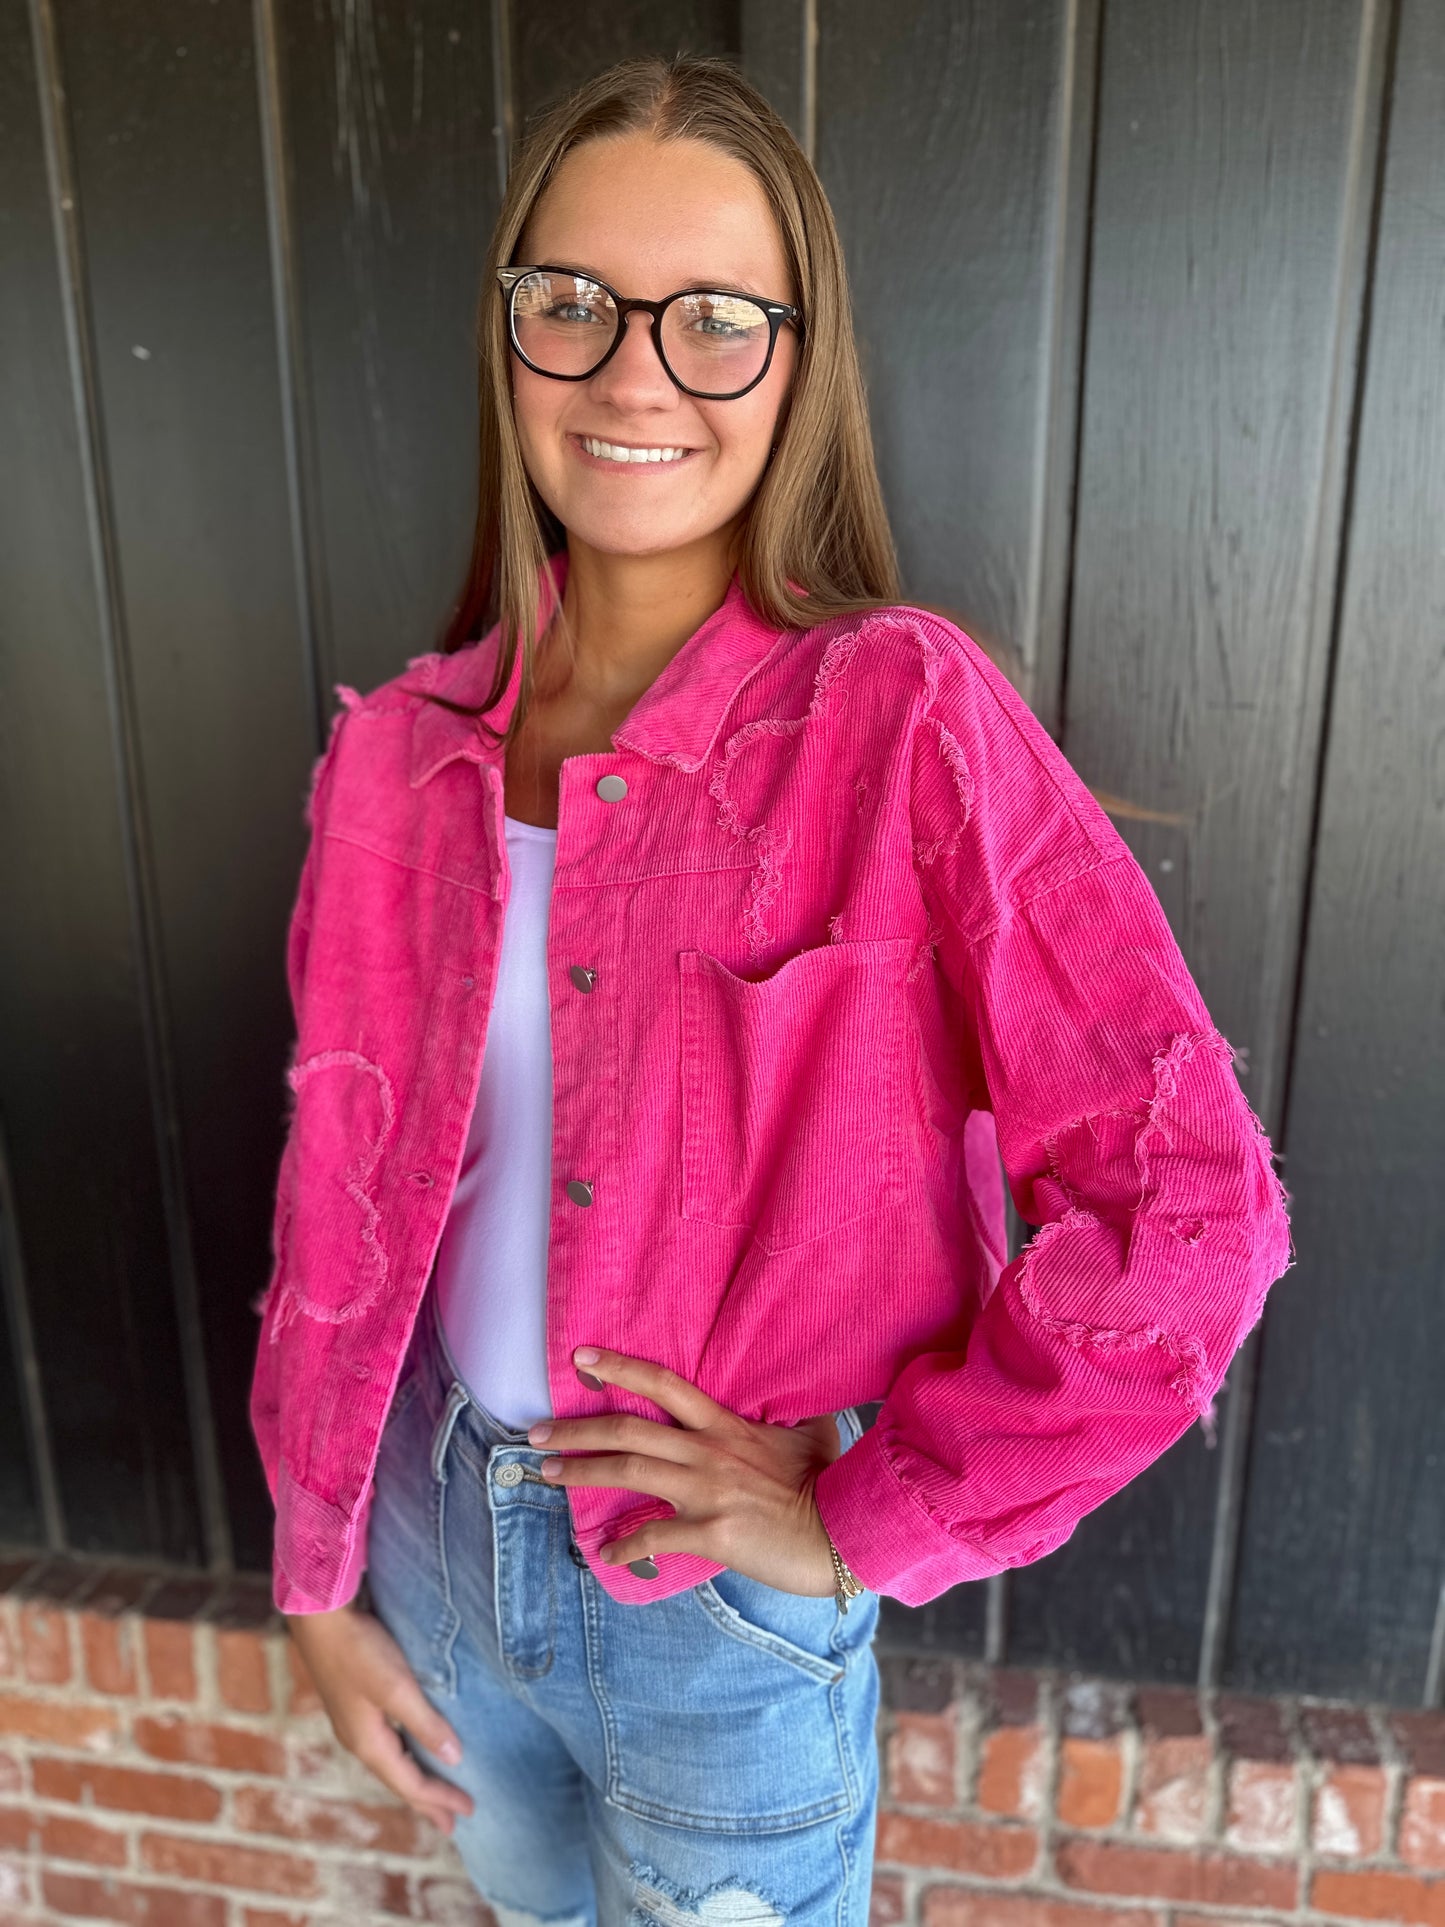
(742,1492)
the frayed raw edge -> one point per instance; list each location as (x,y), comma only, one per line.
(766,881)
(772,846)
(923,956)
(1165,1066)
(290,1300)
(1186,1351)
(661,1901)
(950,752)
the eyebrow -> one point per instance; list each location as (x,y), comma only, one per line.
(698,284)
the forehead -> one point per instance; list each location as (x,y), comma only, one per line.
(649,216)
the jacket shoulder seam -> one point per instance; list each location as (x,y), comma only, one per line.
(1061,882)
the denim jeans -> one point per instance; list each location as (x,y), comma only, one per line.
(707,1760)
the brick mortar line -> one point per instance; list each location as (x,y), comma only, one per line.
(1309,1771)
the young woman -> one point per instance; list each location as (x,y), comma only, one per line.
(677,952)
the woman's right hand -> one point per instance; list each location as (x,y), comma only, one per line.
(365,1684)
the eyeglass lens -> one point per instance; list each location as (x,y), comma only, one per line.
(714,343)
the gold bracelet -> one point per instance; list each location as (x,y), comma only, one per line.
(847,1587)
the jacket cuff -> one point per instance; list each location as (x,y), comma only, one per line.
(288,1597)
(884,1535)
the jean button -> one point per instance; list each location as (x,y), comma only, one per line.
(509,1474)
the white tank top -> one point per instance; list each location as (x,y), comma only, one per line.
(491,1268)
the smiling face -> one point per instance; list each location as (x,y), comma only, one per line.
(650,217)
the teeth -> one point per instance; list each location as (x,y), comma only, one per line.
(610,452)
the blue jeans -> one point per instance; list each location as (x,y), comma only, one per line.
(706,1760)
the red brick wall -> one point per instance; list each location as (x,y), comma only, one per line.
(164,1763)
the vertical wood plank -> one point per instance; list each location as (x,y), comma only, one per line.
(171,182)
(1343,1552)
(779,44)
(968,320)
(109,1466)
(954,148)
(1224,300)
(392,156)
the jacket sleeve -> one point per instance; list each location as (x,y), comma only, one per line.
(1125,1137)
(264,1397)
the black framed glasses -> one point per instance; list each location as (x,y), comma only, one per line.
(715,343)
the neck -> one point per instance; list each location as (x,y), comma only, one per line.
(630,614)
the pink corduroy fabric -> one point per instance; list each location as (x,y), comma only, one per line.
(858,930)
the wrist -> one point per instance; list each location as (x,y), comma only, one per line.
(846,1583)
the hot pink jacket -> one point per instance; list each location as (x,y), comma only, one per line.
(847,910)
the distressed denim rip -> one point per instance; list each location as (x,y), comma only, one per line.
(858,932)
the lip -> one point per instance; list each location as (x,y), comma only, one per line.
(629,468)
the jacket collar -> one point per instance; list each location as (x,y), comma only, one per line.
(675,720)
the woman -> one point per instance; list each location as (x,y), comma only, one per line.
(661,981)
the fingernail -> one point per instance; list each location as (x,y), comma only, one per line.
(450,1753)
(591,1381)
(552,1466)
(539,1434)
(586,1355)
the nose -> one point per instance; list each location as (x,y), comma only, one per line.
(642,364)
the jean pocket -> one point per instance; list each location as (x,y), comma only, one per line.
(793,1627)
(795,1089)
(713,1722)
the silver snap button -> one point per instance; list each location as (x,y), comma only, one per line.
(509,1474)
(643,1568)
(579,1191)
(612,789)
(582,977)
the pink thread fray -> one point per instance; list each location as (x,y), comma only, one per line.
(291,1299)
(773,845)
(1186,1350)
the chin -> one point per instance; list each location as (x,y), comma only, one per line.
(634,535)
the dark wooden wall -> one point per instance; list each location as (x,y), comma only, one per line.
(1152,311)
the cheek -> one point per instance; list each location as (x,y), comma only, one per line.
(745,435)
(535,407)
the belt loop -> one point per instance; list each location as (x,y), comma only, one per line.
(441,1438)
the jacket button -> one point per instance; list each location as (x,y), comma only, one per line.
(582,977)
(612,789)
(579,1191)
(643,1568)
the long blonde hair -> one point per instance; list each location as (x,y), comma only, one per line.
(816,519)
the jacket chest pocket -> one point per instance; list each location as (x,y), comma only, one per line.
(795,1089)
